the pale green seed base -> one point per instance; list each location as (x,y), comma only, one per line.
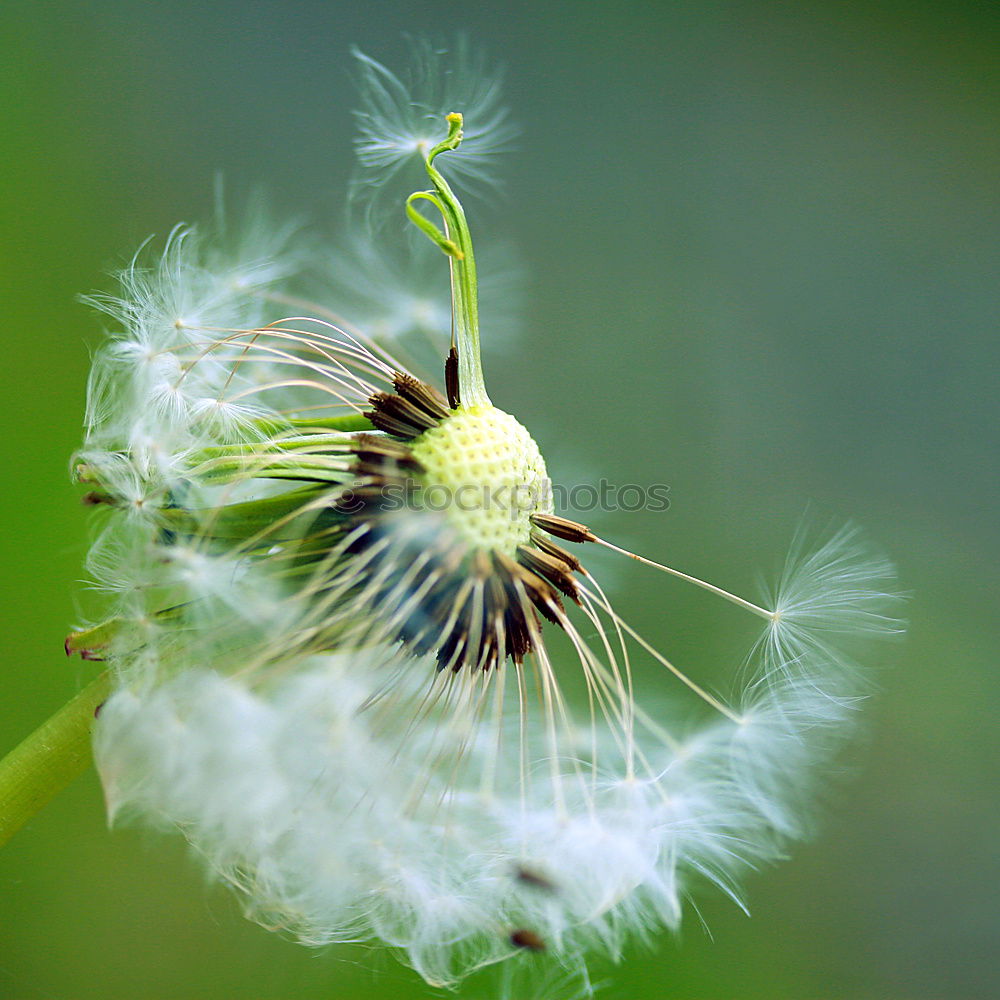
(485,473)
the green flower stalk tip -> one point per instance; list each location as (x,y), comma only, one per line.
(456,243)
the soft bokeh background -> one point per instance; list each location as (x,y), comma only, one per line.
(761,243)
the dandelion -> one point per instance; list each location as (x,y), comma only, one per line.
(349,627)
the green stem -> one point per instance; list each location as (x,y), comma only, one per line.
(302,468)
(318,444)
(49,759)
(347,423)
(456,242)
(270,518)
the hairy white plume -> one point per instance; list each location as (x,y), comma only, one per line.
(399,120)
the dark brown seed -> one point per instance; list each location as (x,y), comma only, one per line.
(399,415)
(561,527)
(529,940)
(95,497)
(554,570)
(451,379)
(368,444)
(546,544)
(421,394)
(536,880)
(539,591)
(390,425)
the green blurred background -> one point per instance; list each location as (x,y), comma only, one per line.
(761,245)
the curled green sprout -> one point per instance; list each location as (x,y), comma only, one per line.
(455,241)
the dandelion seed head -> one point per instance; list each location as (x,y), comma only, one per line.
(332,590)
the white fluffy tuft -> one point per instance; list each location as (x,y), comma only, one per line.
(831,598)
(355,797)
(401,117)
